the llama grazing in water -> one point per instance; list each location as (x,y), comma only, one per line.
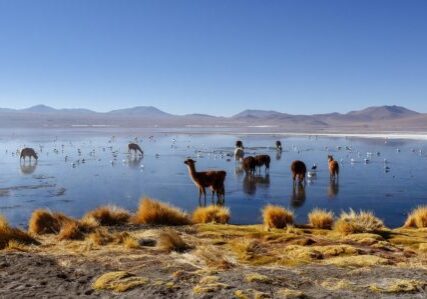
(28,152)
(135,147)
(299,170)
(249,164)
(263,160)
(334,167)
(213,179)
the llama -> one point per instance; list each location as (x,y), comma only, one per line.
(334,167)
(299,170)
(239,143)
(249,164)
(239,153)
(203,179)
(135,147)
(263,160)
(28,152)
(278,146)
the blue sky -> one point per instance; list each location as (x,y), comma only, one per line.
(217,57)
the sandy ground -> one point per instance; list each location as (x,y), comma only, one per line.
(222,261)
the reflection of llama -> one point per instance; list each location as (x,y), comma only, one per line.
(28,152)
(299,170)
(298,195)
(28,168)
(334,167)
(213,179)
(135,147)
(134,161)
(333,188)
(251,182)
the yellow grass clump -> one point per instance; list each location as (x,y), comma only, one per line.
(47,222)
(357,222)
(211,213)
(155,212)
(322,219)
(107,215)
(169,240)
(276,216)
(10,235)
(396,285)
(119,281)
(417,218)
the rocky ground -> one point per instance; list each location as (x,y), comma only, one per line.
(219,261)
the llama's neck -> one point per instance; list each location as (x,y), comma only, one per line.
(192,171)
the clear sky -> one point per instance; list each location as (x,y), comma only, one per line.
(217,57)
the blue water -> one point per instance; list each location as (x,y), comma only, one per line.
(110,176)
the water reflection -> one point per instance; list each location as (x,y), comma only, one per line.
(134,161)
(333,188)
(298,195)
(278,155)
(28,168)
(251,182)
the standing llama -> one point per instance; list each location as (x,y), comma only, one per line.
(213,179)
(299,171)
(334,168)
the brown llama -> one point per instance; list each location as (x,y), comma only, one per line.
(135,147)
(334,167)
(213,179)
(299,170)
(263,160)
(28,152)
(249,164)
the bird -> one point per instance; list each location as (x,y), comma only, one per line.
(314,167)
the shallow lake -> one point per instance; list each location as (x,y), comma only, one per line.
(78,171)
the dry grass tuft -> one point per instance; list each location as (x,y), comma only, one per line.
(256,277)
(213,213)
(398,286)
(362,222)
(154,212)
(276,216)
(46,222)
(209,284)
(107,215)
(10,235)
(119,281)
(70,230)
(357,261)
(322,219)
(290,294)
(169,240)
(417,218)
(101,236)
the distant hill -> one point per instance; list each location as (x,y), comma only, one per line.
(378,119)
(382,112)
(147,111)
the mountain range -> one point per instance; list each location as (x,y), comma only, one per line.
(378,119)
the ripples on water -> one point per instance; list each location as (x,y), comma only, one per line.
(77,172)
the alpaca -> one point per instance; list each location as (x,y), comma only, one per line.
(299,170)
(28,152)
(334,167)
(239,153)
(278,146)
(249,164)
(135,147)
(263,160)
(212,179)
